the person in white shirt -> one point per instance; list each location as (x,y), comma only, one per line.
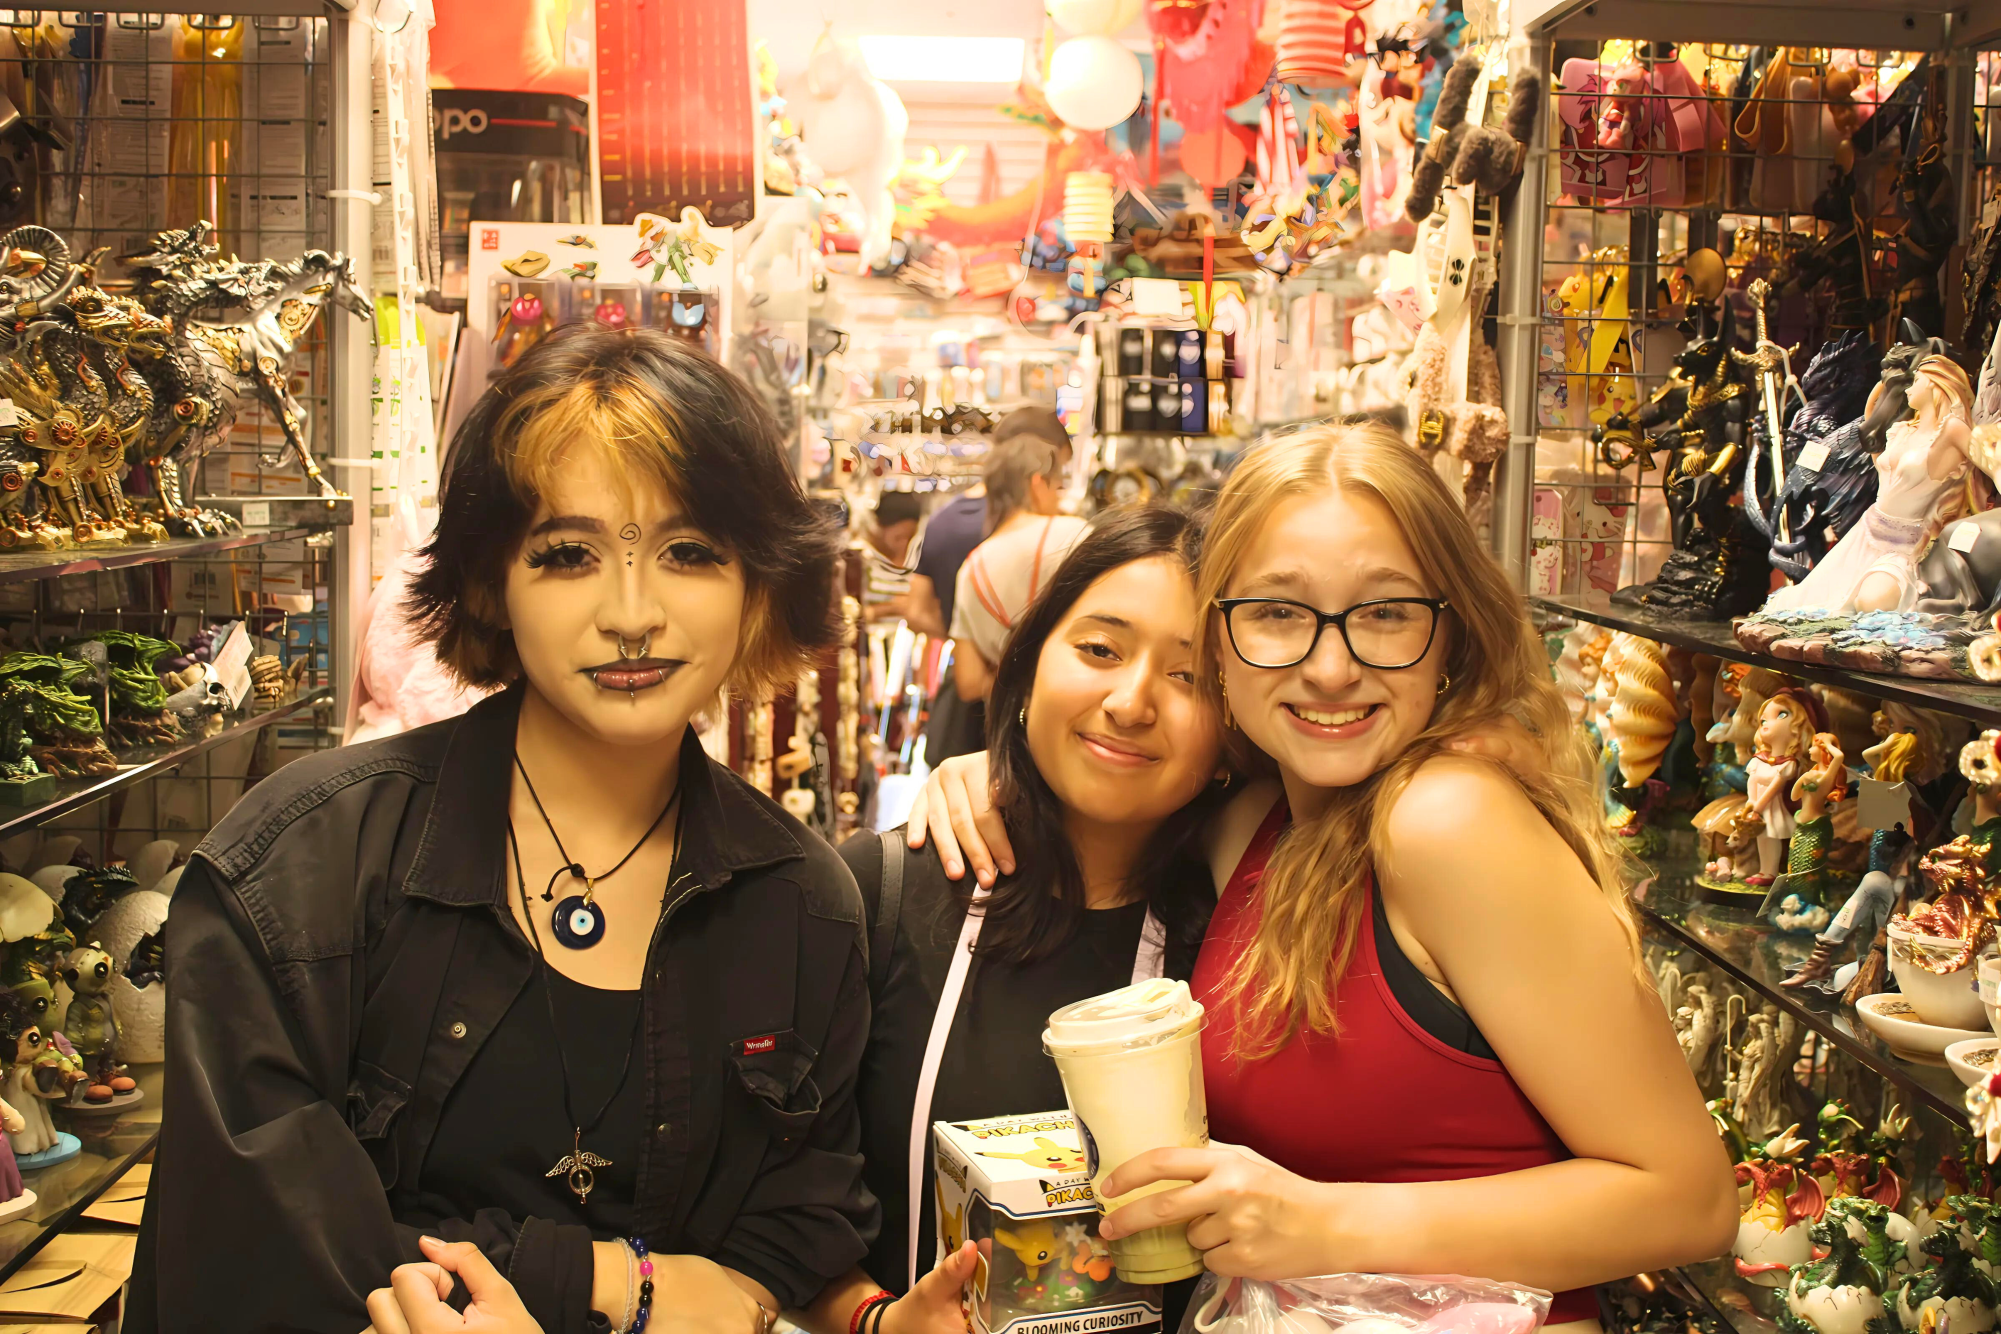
(1026,540)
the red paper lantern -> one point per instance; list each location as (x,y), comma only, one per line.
(1317,39)
(1214,155)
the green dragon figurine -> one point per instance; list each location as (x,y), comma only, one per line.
(46,726)
(139,714)
(1957,1281)
(1842,1291)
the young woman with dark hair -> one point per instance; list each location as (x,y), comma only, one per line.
(541,990)
(1107,757)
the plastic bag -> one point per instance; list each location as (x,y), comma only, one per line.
(1364,1304)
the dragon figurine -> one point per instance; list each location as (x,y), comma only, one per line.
(1816,505)
(45,720)
(216,365)
(139,715)
(1858,1257)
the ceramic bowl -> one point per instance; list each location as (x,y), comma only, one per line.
(1988,971)
(1951,1000)
(1973,1060)
(1895,1020)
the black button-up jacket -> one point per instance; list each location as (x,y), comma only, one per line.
(340,947)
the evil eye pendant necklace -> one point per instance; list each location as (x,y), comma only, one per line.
(576,921)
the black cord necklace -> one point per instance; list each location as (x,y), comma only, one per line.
(579,1164)
(577,922)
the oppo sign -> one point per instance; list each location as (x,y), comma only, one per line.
(453,121)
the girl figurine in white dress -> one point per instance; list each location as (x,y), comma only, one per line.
(1786,727)
(1920,488)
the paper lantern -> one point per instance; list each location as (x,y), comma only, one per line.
(1094,83)
(1087,207)
(1087,18)
(1316,39)
(1214,155)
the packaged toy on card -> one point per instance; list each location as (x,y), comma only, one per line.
(1364,1304)
(1020,1187)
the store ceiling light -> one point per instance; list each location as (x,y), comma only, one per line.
(944,59)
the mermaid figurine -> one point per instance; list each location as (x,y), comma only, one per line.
(1808,881)
(1787,725)
(1921,473)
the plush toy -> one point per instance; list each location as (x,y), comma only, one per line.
(1460,437)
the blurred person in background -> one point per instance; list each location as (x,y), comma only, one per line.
(958,724)
(888,535)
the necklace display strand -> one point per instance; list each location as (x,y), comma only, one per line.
(579,1164)
(577,922)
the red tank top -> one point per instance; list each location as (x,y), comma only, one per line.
(1410,1108)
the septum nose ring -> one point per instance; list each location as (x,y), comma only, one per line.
(644,645)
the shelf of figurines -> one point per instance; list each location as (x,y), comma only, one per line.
(139,763)
(1977,703)
(1760,959)
(25,564)
(108,1145)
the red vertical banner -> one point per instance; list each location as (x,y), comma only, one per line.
(675,123)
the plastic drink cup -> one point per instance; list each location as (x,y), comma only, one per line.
(1131,1062)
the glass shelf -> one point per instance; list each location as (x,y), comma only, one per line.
(23,566)
(136,766)
(1745,1307)
(112,1143)
(1981,704)
(1758,958)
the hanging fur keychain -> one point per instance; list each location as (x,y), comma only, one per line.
(1488,157)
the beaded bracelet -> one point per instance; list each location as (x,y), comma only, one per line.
(880,1297)
(645,1311)
(878,1311)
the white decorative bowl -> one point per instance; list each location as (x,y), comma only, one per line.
(1973,1060)
(1952,999)
(1988,971)
(1895,1020)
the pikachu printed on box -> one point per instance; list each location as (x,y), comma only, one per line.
(1019,1187)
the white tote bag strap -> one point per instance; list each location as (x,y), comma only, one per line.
(934,1051)
(1149,961)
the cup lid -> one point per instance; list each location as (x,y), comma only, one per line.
(1133,1016)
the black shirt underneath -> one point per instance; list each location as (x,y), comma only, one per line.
(993,1063)
(504,1126)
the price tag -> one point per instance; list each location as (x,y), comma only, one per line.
(9,414)
(256,514)
(1813,457)
(231,664)
(1963,535)
(1883,805)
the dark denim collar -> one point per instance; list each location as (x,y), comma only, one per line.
(461,857)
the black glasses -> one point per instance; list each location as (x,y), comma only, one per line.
(1387,633)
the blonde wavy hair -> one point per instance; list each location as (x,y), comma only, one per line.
(1314,894)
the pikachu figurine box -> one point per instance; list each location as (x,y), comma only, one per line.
(1018,1186)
